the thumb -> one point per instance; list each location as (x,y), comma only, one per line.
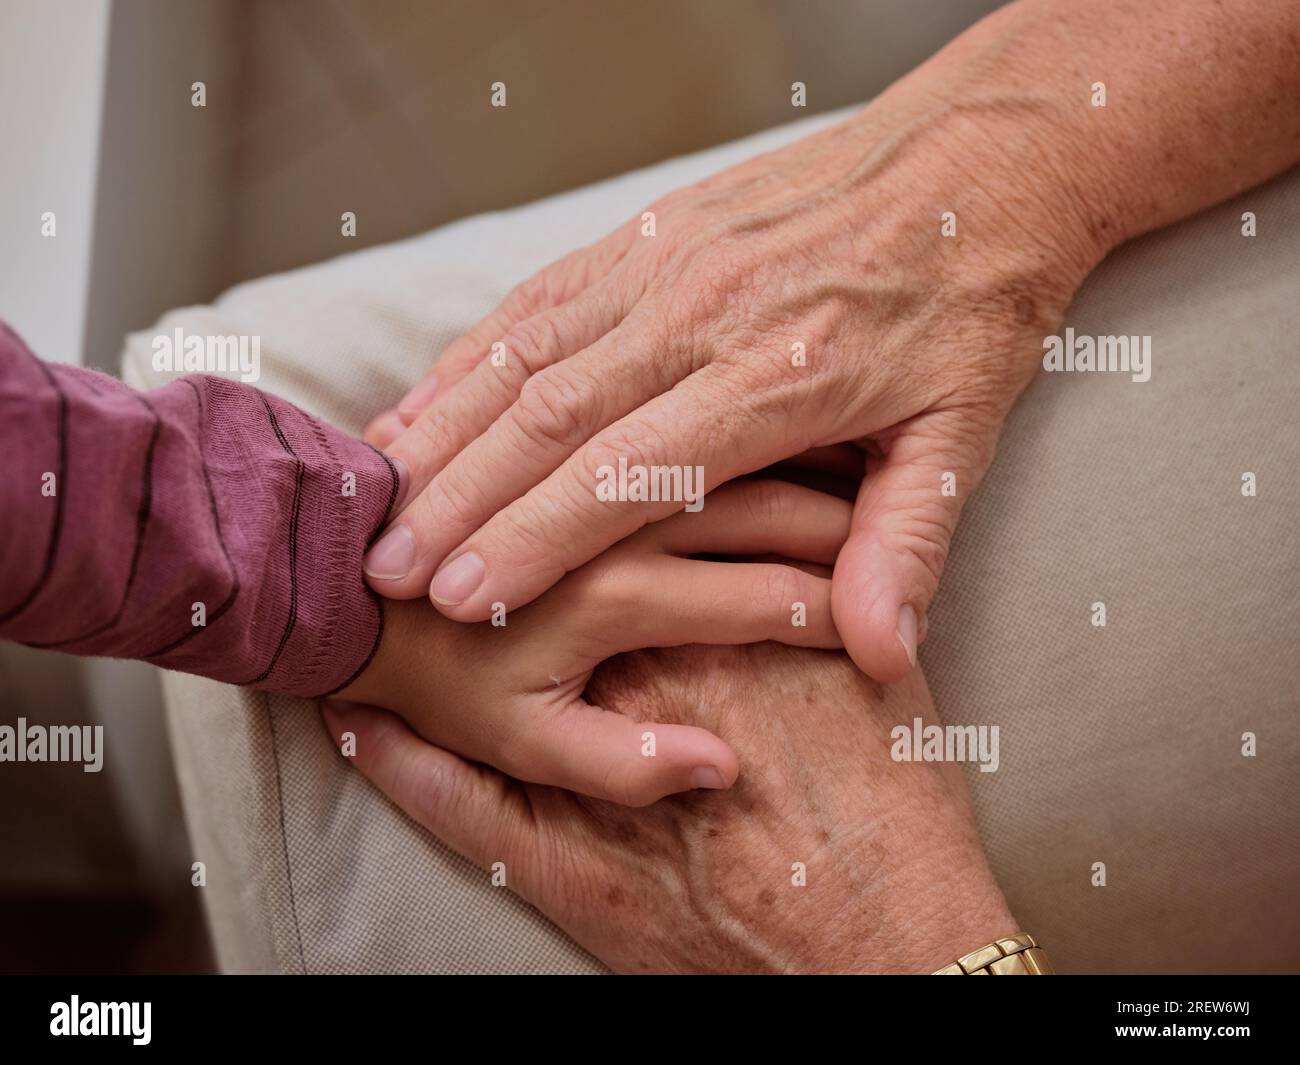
(610,756)
(903,521)
(464,805)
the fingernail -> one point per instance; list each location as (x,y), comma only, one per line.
(418,398)
(390,559)
(456,581)
(907,631)
(705,776)
(403,482)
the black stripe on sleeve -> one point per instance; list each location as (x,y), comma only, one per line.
(60,486)
(142,516)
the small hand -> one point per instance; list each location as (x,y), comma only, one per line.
(511,694)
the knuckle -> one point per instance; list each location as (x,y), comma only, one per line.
(453,501)
(463,352)
(975,438)
(497,385)
(535,341)
(569,274)
(780,587)
(530,295)
(638,442)
(552,285)
(438,438)
(555,408)
(925,536)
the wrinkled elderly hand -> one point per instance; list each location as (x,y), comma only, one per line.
(889,281)
(826,855)
(802,299)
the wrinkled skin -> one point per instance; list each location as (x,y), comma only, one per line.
(896,880)
(684,348)
(676,347)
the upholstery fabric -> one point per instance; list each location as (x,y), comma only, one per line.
(1119,744)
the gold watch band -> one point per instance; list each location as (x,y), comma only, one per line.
(1018,955)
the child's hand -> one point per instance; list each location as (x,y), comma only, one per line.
(511,695)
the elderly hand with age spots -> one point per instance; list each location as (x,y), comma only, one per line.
(812,296)
(894,878)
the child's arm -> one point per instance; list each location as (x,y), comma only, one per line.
(203,526)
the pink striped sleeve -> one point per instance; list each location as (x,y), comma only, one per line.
(203,526)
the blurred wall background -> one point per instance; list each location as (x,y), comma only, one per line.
(313,108)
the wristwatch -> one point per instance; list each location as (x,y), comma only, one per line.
(1018,955)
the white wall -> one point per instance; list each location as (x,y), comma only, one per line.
(52,65)
(163,217)
(73,831)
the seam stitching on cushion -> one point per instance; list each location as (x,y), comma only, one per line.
(284,833)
